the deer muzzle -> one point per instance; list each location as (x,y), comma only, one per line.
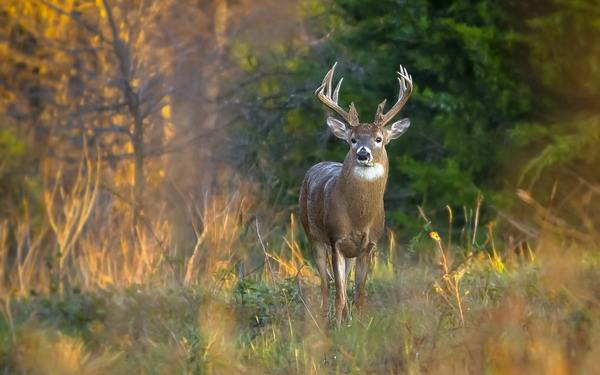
(364,156)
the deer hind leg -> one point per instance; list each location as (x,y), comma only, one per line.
(320,254)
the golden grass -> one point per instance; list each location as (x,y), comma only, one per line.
(242,298)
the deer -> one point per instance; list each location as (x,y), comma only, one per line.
(341,204)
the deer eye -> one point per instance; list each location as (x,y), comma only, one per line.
(353,140)
(378,139)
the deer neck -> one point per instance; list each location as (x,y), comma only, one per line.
(361,185)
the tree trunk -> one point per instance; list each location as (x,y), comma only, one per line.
(139,178)
(213,89)
(123,53)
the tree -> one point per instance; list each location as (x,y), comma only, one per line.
(468,95)
(559,141)
(562,65)
(106,74)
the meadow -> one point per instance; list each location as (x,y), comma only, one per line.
(244,298)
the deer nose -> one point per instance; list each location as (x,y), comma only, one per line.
(363,154)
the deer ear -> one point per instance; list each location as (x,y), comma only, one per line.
(338,128)
(397,129)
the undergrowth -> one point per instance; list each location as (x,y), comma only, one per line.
(244,298)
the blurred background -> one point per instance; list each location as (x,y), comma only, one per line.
(164,142)
(179,101)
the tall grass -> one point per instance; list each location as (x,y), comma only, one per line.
(83,292)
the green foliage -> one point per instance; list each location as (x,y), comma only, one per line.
(499,87)
(19,182)
(467,96)
(263,304)
(563,40)
(11,147)
(573,142)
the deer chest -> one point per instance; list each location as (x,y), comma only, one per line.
(355,244)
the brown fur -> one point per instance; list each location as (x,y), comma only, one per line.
(342,212)
(341,205)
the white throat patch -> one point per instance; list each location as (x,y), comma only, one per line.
(369,173)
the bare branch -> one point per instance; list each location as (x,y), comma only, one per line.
(75,17)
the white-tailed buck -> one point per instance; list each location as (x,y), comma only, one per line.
(341,205)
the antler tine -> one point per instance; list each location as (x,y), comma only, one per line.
(337,90)
(329,78)
(329,97)
(379,113)
(406,86)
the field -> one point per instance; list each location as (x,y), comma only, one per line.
(244,299)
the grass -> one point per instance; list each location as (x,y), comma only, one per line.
(242,298)
(513,322)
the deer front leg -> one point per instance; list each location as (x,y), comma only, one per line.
(350,263)
(339,272)
(321,262)
(363,263)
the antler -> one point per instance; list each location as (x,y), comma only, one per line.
(406,86)
(330,99)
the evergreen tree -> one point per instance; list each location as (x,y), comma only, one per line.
(563,66)
(468,95)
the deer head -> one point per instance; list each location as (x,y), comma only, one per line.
(367,140)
